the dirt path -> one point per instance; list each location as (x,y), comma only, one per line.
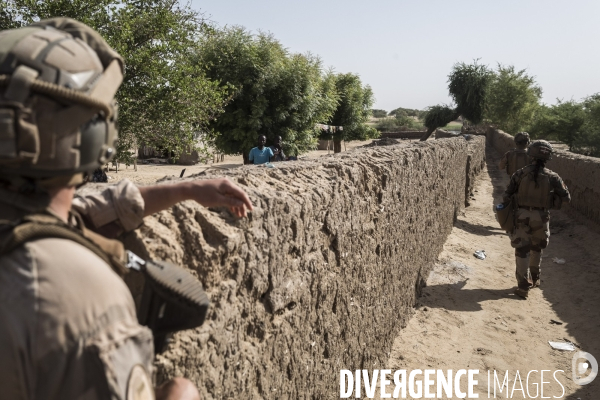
(469,318)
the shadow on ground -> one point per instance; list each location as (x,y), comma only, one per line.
(478,229)
(462,299)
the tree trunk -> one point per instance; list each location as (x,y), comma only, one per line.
(431,130)
(337,146)
(427,134)
(246,157)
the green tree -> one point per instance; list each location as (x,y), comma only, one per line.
(563,121)
(165,99)
(576,124)
(353,110)
(542,123)
(379,113)
(588,141)
(406,112)
(513,99)
(569,117)
(468,85)
(272,92)
(400,123)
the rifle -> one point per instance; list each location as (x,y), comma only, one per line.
(172,299)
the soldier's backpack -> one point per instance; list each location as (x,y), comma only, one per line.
(506,214)
(517,159)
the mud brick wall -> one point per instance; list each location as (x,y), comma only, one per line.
(580,173)
(475,163)
(403,134)
(323,274)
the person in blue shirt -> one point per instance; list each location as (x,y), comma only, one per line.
(261,154)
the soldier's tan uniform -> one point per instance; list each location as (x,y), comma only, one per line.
(514,160)
(532,230)
(68,326)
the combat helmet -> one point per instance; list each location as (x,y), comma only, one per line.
(540,149)
(522,138)
(58,79)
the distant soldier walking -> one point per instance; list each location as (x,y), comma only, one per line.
(537,190)
(516,159)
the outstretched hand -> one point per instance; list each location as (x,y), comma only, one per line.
(221,193)
(209,193)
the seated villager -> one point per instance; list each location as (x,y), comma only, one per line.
(277,149)
(99,175)
(261,154)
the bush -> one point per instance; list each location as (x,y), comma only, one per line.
(353,109)
(379,113)
(513,99)
(273,93)
(399,124)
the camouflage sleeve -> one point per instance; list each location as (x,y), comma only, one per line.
(115,210)
(560,188)
(503,161)
(513,186)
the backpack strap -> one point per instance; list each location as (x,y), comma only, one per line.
(41,226)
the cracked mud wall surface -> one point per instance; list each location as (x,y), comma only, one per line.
(580,173)
(321,276)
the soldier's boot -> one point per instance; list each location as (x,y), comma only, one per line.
(522,292)
(535,260)
(535,279)
(522,275)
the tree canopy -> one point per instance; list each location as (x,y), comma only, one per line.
(406,112)
(165,99)
(273,93)
(468,86)
(589,143)
(379,113)
(562,121)
(353,109)
(513,99)
(186,79)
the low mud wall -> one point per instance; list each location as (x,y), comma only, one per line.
(403,134)
(580,173)
(321,276)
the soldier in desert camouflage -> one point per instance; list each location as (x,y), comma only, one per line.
(537,190)
(515,159)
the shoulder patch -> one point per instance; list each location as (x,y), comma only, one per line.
(139,384)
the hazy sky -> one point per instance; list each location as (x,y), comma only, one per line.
(405,49)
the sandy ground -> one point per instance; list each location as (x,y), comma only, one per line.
(151,172)
(469,318)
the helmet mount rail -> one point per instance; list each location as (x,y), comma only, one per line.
(64,94)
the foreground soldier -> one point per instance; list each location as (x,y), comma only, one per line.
(537,190)
(68,327)
(515,159)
